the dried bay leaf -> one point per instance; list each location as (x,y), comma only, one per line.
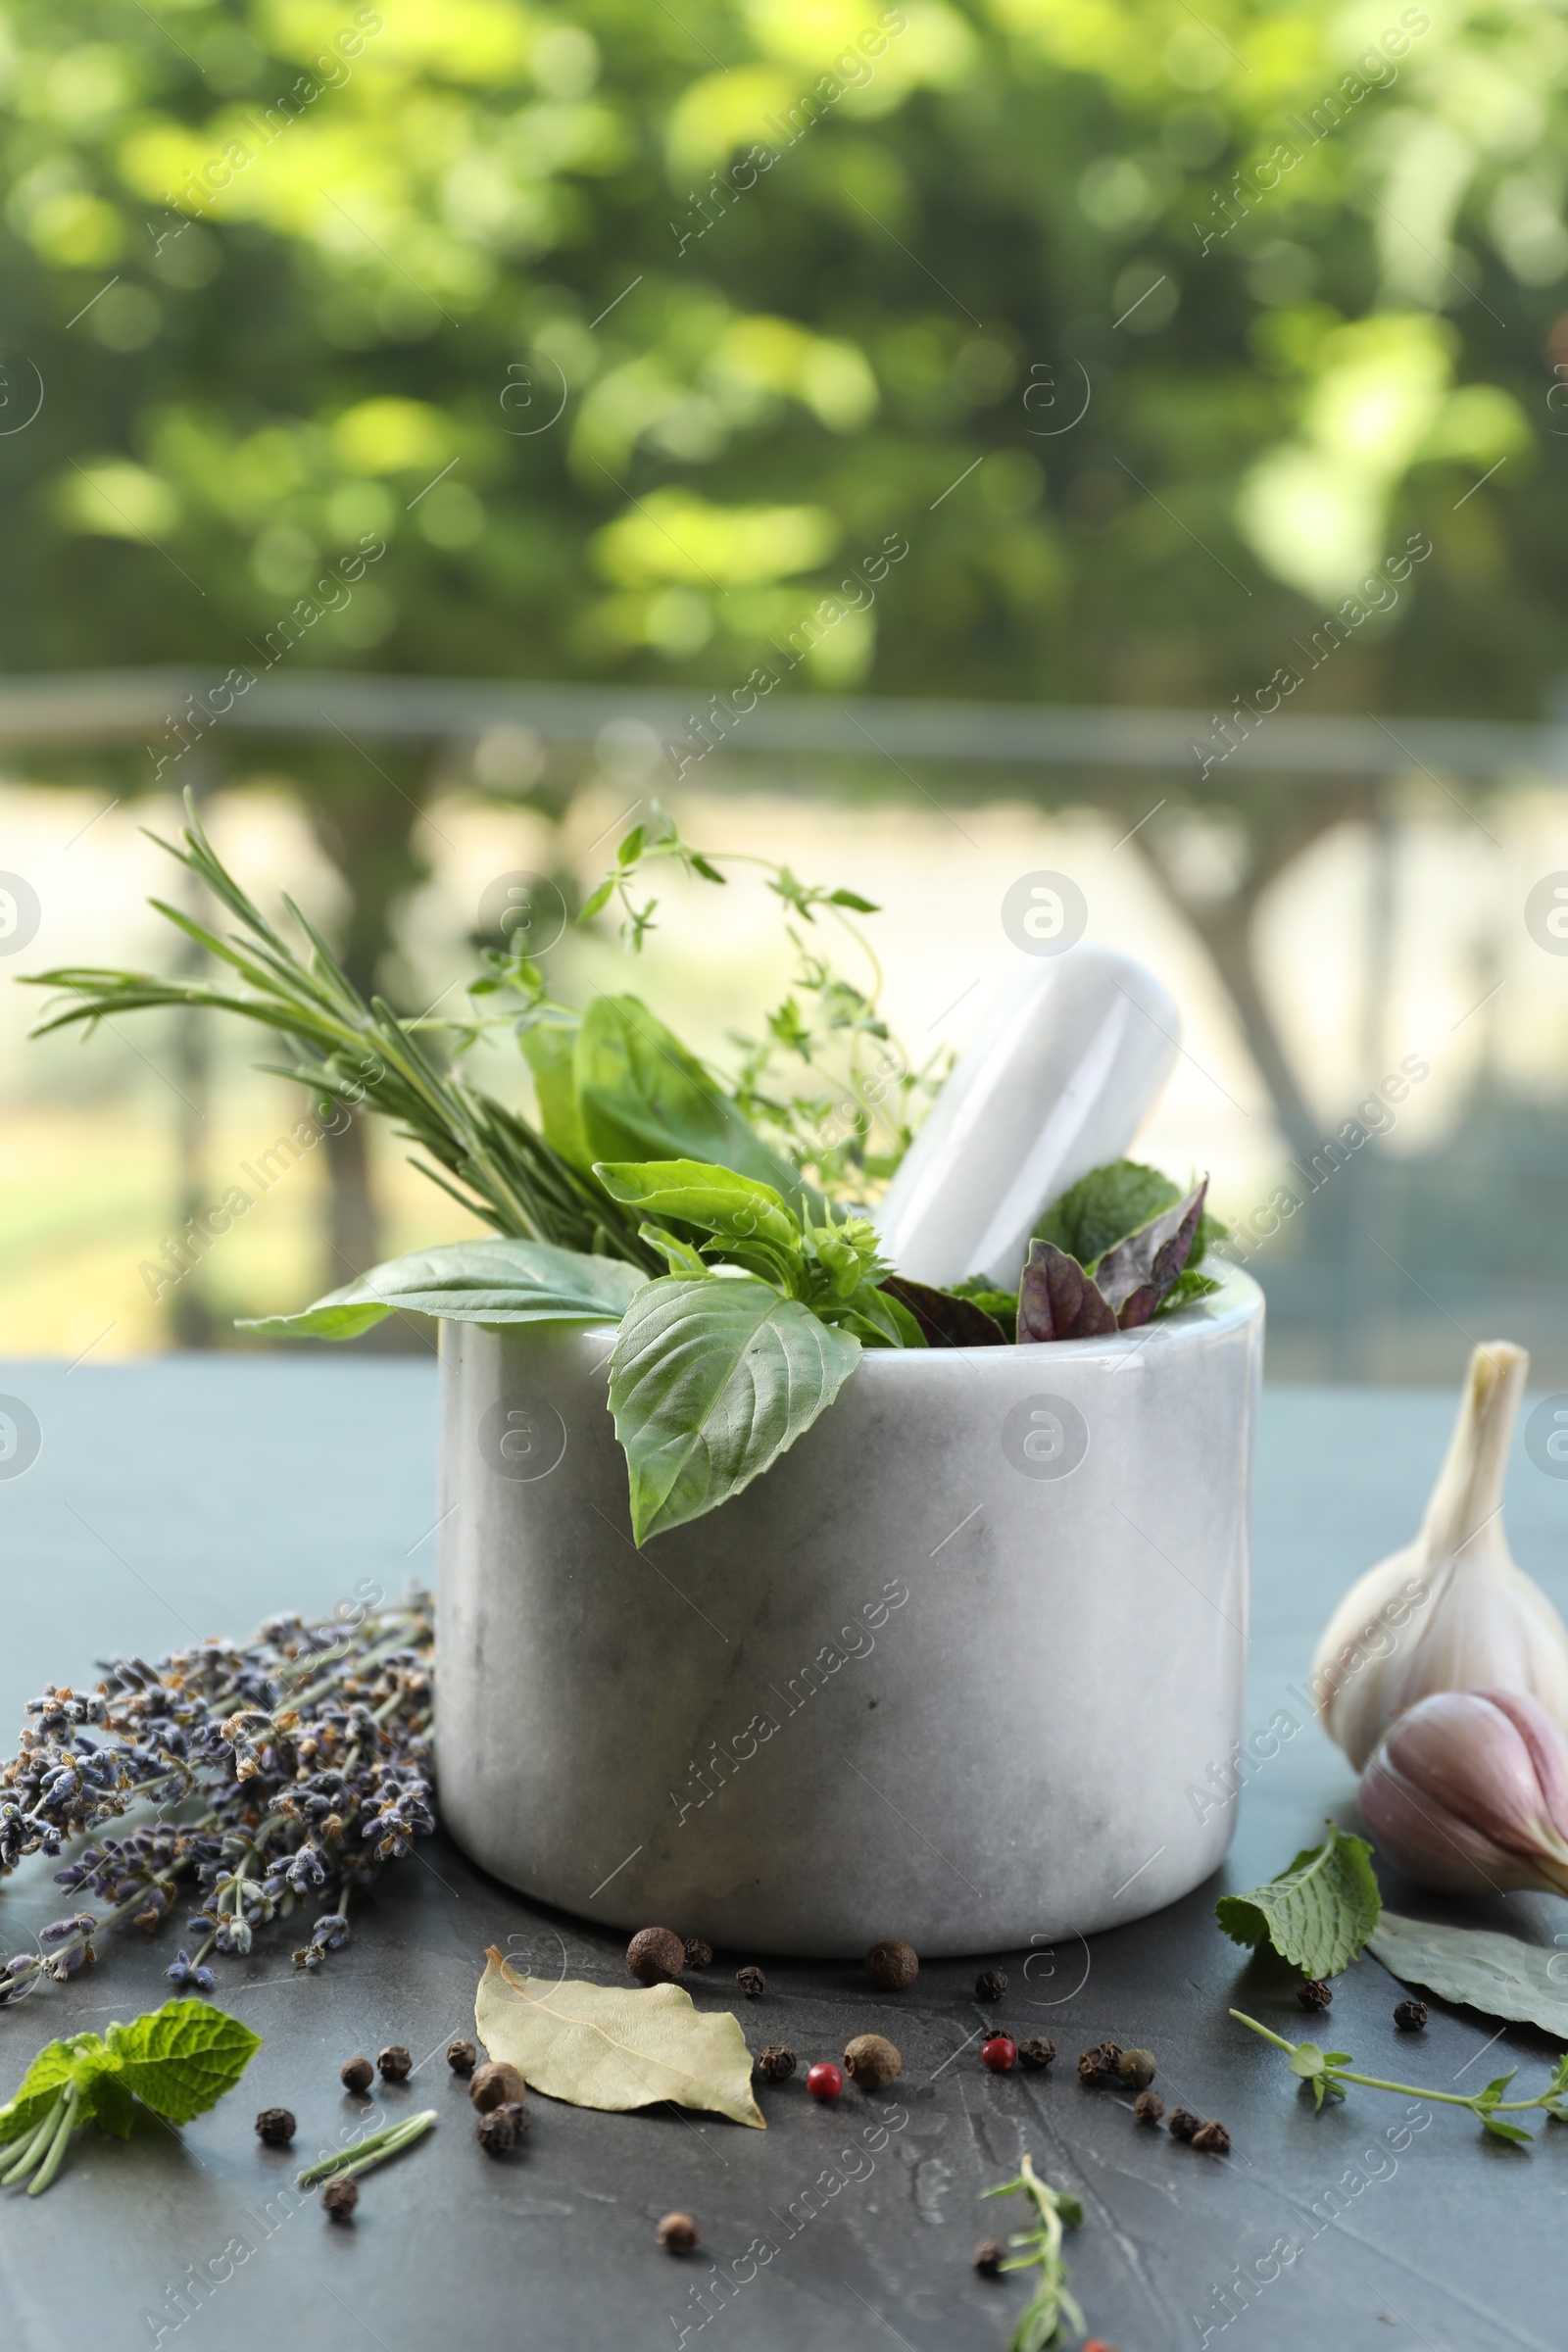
(1485,1970)
(595,2045)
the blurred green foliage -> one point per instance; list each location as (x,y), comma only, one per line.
(631,330)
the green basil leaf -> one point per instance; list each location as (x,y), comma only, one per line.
(549,1048)
(1318,1912)
(709,1382)
(491,1279)
(715,1199)
(641,1096)
(181,2058)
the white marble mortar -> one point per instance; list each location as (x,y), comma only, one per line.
(949,1672)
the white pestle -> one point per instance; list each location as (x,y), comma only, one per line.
(1058,1081)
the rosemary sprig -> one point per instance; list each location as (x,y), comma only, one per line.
(390,2140)
(354,1052)
(1328,2072)
(1051,2308)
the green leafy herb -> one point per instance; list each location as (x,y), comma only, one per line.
(1052,2308)
(1002,1305)
(945,1318)
(641,1096)
(358,1053)
(709,1382)
(1487,1971)
(1328,2072)
(1110,1204)
(715,1199)
(177,2061)
(485,1281)
(365,2154)
(1318,1912)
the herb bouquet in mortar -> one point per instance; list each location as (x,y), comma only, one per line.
(681,1277)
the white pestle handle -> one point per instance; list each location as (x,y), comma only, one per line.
(1058,1081)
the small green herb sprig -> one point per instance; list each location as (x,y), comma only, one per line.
(177,2061)
(1050,2308)
(1328,2072)
(366,2154)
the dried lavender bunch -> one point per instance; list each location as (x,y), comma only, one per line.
(285,1772)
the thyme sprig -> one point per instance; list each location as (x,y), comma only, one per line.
(1051,2308)
(1328,2072)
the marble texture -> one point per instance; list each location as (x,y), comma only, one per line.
(947,1672)
(1058,1078)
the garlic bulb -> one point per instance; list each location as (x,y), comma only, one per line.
(1467,1793)
(1451,1611)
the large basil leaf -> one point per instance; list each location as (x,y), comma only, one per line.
(715,1199)
(550,1051)
(492,1280)
(641,1096)
(709,1382)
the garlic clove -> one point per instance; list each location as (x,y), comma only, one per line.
(1468,1793)
(1449,1611)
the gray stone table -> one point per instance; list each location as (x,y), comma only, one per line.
(194,1496)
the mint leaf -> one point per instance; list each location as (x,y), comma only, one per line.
(715,1199)
(181,2058)
(709,1382)
(490,1280)
(1317,1914)
(76,2059)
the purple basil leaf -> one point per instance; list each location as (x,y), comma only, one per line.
(1135,1275)
(945,1321)
(1058,1301)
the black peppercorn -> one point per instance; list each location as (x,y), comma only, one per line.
(395,2063)
(496,2084)
(1213,2139)
(989,2256)
(1411,2016)
(461,2057)
(698,1953)
(892,1966)
(1038,2051)
(1148,2106)
(1314,1993)
(990,1984)
(501,2127)
(340,2198)
(677,2233)
(1099,2064)
(358,2075)
(276,2125)
(1184,2123)
(656,1955)
(777,2063)
(1137,2069)
(750,1981)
